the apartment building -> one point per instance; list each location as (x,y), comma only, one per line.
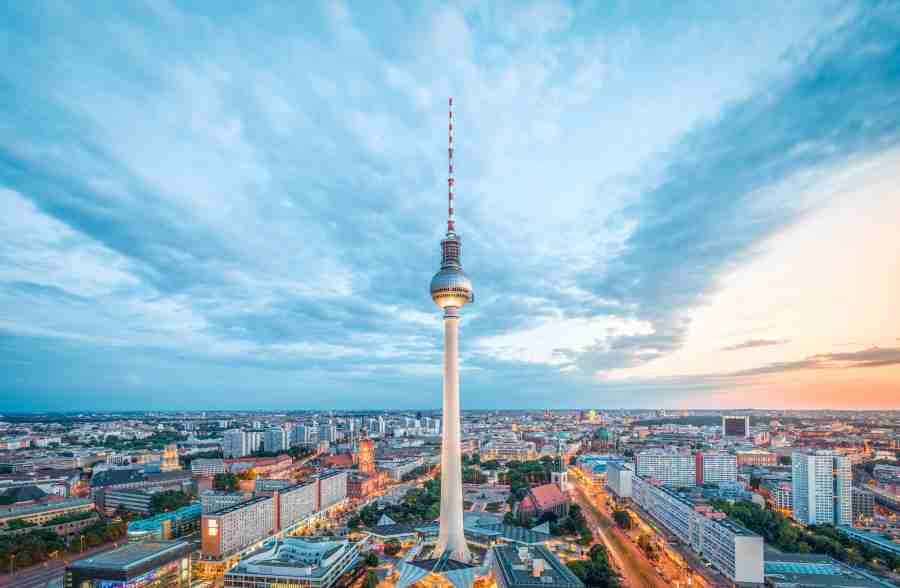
(714,467)
(618,478)
(228,531)
(732,549)
(675,469)
(297,502)
(822,488)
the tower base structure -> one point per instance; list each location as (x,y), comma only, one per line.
(451,539)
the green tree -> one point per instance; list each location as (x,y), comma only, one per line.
(168,501)
(596,571)
(225,482)
(371,560)
(371,580)
(622,518)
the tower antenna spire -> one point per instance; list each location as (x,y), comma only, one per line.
(450,180)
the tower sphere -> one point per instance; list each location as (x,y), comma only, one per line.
(451,287)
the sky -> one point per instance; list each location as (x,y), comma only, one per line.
(661,205)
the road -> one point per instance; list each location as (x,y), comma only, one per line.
(39,576)
(637,571)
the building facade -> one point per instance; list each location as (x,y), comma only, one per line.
(672,468)
(822,488)
(732,549)
(232,529)
(715,467)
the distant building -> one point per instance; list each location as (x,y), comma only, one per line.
(165,563)
(39,514)
(756,457)
(240,443)
(275,440)
(822,488)
(207,467)
(736,426)
(136,500)
(170,462)
(528,566)
(365,457)
(296,561)
(863,504)
(508,450)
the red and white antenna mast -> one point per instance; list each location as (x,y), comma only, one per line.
(450,180)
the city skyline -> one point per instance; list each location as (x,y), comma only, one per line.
(673,209)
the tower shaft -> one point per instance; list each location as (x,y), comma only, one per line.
(451,539)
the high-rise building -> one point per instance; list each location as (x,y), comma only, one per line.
(275,440)
(451,289)
(822,488)
(238,443)
(671,468)
(736,426)
(714,467)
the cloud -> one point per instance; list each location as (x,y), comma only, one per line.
(871,357)
(754,343)
(249,209)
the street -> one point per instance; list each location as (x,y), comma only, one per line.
(40,575)
(636,570)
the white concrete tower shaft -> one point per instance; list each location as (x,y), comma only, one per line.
(451,539)
(451,289)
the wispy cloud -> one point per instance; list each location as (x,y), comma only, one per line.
(754,343)
(867,358)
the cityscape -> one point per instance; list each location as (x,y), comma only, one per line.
(222,367)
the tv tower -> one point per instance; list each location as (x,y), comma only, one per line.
(450,290)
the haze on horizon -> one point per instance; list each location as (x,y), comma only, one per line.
(660,206)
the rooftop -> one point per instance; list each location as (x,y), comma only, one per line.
(517,564)
(44,506)
(134,555)
(239,506)
(817,571)
(153,523)
(295,557)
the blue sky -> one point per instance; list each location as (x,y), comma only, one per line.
(660,205)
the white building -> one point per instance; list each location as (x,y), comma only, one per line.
(212,500)
(671,468)
(230,530)
(822,488)
(296,561)
(297,502)
(207,467)
(239,443)
(618,478)
(275,440)
(397,468)
(732,549)
(715,467)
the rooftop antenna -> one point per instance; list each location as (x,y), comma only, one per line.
(450,180)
